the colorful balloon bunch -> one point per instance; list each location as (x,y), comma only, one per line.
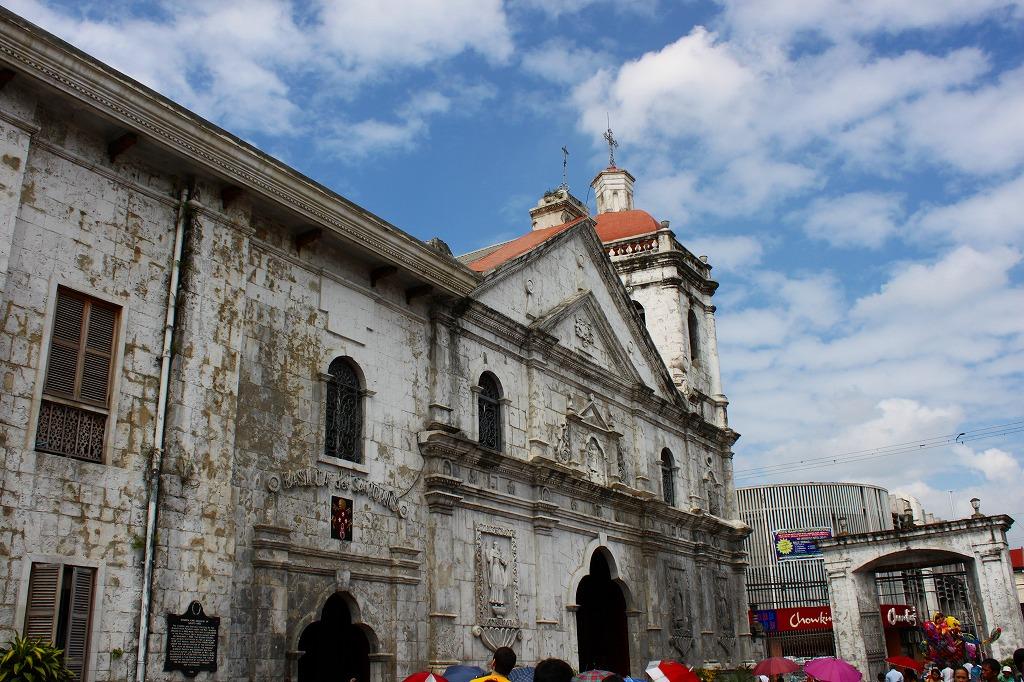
(945,640)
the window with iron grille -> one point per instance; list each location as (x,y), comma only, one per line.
(76,391)
(59,610)
(489,409)
(344,418)
(668,483)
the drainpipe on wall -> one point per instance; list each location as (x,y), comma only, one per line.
(157,456)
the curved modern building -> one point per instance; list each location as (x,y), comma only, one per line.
(786,581)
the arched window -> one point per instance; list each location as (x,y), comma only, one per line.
(489,409)
(691,325)
(344,418)
(668,482)
(640,311)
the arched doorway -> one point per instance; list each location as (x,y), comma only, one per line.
(334,648)
(601,624)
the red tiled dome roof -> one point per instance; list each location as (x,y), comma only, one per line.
(615,225)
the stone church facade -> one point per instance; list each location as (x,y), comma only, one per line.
(224,384)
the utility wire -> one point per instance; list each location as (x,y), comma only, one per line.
(893,450)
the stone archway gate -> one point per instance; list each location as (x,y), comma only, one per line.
(852,560)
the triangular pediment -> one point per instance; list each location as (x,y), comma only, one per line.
(566,289)
(580,325)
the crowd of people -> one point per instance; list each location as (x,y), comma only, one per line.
(989,670)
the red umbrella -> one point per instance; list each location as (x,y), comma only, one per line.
(906,662)
(670,671)
(425,676)
(775,665)
(593,675)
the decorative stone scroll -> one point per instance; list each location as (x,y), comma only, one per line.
(497,586)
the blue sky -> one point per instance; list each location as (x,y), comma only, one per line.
(853,170)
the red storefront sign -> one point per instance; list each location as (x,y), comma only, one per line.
(803,618)
(898,616)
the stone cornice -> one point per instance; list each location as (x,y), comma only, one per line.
(540,474)
(1000,522)
(679,258)
(112,95)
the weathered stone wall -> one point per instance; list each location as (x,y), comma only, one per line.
(104,229)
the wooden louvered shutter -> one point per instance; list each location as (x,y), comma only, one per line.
(79,609)
(99,342)
(43,589)
(65,346)
(81,349)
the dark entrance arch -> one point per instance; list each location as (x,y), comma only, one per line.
(333,647)
(601,624)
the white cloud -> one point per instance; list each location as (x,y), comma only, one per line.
(990,217)
(995,464)
(728,253)
(561,62)
(951,284)
(855,219)
(389,33)
(976,129)
(558,8)
(786,20)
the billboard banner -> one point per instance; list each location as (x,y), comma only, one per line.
(800,543)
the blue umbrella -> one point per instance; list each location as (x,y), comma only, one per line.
(524,674)
(463,673)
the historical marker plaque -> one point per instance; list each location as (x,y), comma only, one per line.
(192,641)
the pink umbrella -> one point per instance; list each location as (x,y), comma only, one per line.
(831,669)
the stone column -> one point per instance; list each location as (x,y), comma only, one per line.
(15,137)
(445,636)
(441,417)
(856,623)
(714,374)
(998,604)
(269,653)
(654,636)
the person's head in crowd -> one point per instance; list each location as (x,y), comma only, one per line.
(990,669)
(504,660)
(961,674)
(552,670)
(1018,660)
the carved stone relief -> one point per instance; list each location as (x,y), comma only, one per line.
(497,586)
(584,332)
(597,465)
(681,616)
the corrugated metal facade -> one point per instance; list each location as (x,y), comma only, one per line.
(792,506)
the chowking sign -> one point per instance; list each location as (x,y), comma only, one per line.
(795,619)
(899,616)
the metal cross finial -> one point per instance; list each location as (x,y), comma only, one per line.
(612,143)
(565,168)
